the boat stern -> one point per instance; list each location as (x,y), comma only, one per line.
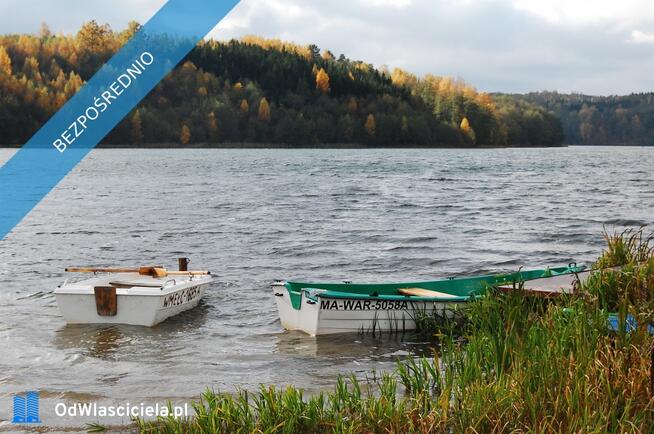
(141,302)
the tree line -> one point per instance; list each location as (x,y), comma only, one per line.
(257,90)
(601,120)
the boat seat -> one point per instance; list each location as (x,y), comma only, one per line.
(134,285)
(421,292)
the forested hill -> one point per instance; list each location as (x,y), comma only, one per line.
(593,120)
(263,91)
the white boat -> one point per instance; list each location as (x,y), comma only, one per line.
(329,308)
(133,298)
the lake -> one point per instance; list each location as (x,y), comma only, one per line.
(253,216)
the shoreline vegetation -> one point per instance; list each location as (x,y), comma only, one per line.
(519,364)
(250,145)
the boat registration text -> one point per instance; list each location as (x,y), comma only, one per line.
(182,297)
(363,305)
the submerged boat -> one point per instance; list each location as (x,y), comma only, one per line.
(142,296)
(328,308)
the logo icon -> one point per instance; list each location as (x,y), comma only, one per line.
(26,408)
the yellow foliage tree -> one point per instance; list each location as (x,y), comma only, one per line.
(371,125)
(60,100)
(467,129)
(137,128)
(264,110)
(277,44)
(5,62)
(185,135)
(31,69)
(403,78)
(245,107)
(94,37)
(352,105)
(212,124)
(74,84)
(322,81)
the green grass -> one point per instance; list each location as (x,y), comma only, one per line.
(518,364)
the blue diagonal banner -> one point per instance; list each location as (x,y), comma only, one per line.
(102,103)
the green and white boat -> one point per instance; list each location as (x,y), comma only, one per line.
(328,308)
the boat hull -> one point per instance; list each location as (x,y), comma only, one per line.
(135,306)
(328,308)
(327,315)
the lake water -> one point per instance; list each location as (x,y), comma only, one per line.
(253,216)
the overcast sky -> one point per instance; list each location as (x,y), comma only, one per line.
(590,46)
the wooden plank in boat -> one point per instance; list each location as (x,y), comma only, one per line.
(421,292)
(134,285)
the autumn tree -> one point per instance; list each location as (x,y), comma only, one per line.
(371,125)
(264,110)
(322,81)
(94,37)
(245,107)
(589,120)
(403,78)
(5,62)
(212,126)
(132,28)
(31,69)
(185,135)
(467,130)
(137,128)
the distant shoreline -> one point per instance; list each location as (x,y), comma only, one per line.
(250,145)
(236,145)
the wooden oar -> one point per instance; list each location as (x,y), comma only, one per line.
(144,271)
(140,270)
(162,272)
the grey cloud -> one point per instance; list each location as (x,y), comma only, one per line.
(489,43)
